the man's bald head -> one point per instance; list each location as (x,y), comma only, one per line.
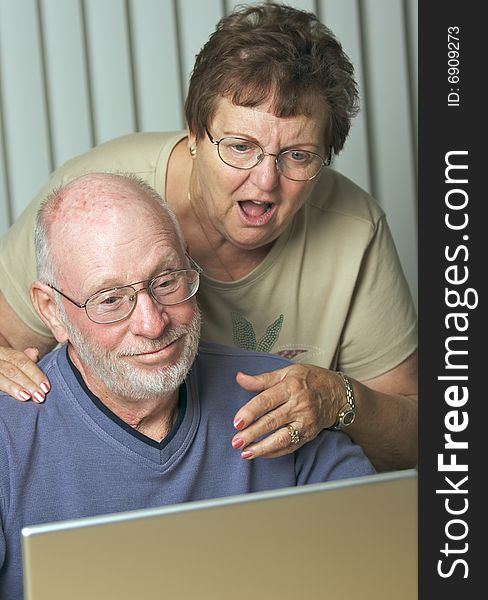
(92,207)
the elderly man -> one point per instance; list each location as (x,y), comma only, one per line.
(139,414)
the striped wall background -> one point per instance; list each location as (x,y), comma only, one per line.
(74,73)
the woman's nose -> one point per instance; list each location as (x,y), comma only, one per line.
(265,174)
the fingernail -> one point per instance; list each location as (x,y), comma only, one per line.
(238,443)
(239,423)
(24,395)
(246,454)
(38,397)
(45,387)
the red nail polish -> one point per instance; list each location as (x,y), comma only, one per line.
(239,423)
(246,454)
(39,397)
(24,394)
(45,387)
(238,443)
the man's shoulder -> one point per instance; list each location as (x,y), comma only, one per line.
(251,361)
(17,424)
(15,414)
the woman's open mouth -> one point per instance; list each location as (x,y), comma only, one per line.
(255,213)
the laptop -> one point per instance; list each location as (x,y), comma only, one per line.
(343,540)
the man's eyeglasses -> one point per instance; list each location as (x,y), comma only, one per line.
(297,165)
(116,304)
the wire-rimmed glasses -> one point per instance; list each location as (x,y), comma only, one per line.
(115,304)
(294,164)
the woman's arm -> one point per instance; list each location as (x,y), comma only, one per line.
(387,421)
(20,348)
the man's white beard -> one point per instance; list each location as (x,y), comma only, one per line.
(124,378)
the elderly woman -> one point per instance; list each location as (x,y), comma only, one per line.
(297,259)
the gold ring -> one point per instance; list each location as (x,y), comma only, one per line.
(294,435)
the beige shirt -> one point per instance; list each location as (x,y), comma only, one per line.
(331,291)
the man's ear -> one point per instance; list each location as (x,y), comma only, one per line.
(42,297)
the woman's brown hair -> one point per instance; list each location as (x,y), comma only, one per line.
(274,53)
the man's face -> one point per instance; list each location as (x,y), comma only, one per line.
(150,351)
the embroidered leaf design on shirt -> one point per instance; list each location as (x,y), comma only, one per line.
(269,338)
(243,332)
(244,335)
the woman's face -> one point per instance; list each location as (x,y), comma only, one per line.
(251,208)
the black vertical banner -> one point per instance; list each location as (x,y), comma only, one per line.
(453,161)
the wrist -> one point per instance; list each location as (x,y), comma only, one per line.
(347,412)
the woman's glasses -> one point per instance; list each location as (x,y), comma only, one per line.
(297,165)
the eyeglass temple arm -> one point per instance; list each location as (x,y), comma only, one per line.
(194,264)
(67,297)
(211,138)
(328,160)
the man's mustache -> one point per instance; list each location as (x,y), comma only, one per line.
(154,345)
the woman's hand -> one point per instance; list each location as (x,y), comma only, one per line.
(294,404)
(305,397)
(19,375)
